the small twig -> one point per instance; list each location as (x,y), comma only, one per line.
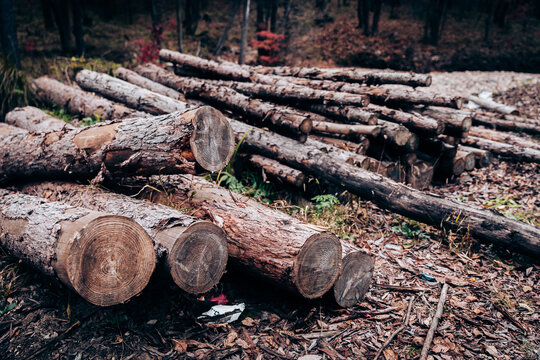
(402,288)
(510,317)
(400,329)
(434,323)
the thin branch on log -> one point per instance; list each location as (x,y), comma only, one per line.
(398,330)
(434,323)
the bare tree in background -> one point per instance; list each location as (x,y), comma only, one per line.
(221,42)
(61,17)
(8,33)
(435,12)
(364,7)
(77,27)
(156,22)
(179,24)
(243,42)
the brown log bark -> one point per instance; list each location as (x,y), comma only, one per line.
(283,119)
(430,209)
(468,159)
(278,171)
(482,157)
(502,137)
(136,79)
(348,114)
(505,124)
(132,95)
(106,259)
(77,101)
(359,146)
(456,123)
(398,135)
(493,106)
(6,129)
(345,129)
(513,152)
(266,242)
(171,143)
(193,252)
(34,120)
(420,124)
(420,174)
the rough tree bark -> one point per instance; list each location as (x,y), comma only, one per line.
(34,120)
(172,143)
(278,171)
(106,259)
(456,123)
(349,114)
(503,137)
(359,146)
(430,209)
(193,252)
(132,95)
(136,79)
(510,151)
(423,125)
(77,101)
(505,124)
(266,242)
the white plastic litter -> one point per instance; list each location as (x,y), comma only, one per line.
(221,311)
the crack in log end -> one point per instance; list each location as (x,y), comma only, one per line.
(317,265)
(355,278)
(93,139)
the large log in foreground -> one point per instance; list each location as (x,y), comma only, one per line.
(266,242)
(430,209)
(77,101)
(172,143)
(106,259)
(35,120)
(194,252)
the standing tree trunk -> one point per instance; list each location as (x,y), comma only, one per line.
(243,41)
(194,252)
(46,8)
(61,17)
(377,4)
(179,24)
(193,13)
(273,16)
(8,33)
(77,27)
(221,42)
(106,259)
(157,30)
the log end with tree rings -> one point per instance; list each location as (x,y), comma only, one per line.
(355,278)
(317,265)
(198,257)
(306,126)
(429,80)
(457,102)
(213,141)
(109,261)
(467,123)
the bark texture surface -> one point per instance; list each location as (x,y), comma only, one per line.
(35,120)
(136,79)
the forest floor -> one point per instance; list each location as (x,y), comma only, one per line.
(493,305)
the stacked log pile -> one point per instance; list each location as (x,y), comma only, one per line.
(333,124)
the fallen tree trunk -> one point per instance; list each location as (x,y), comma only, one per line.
(505,124)
(76,246)
(136,79)
(456,123)
(423,125)
(193,252)
(501,137)
(285,120)
(266,242)
(76,101)
(132,95)
(278,171)
(345,129)
(430,209)
(171,143)
(348,114)
(482,157)
(35,120)
(513,152)
(492,105)
(359,146)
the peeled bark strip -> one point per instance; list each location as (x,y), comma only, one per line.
(468,159)
(482,157)
(285,120)
(355,277)
(494,106)
(132,95)
(171,143)
(430,209)
(35,120)
(503,137)
(342,129)
(352,75)
(106,259)
(194,252)
(423,125)
(359,146)
(278,171)
(456,123)
(514,152)
(76,101)
(263,241)
(136,79)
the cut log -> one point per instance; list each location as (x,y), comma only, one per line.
(420,124)
(355,276)
(106,259)
(171,143)
(456,123)
(502,137)
(6,129)
(77,101)
(398,135)
(193,252)
(35,120)
(494,106)
(348,114)
(482,157)
(431,209)
(266,242)
(513,152)
(420,174)
(437,147)
(126,93)
(283,119)
(468,159)
(447,169)
(345,129)
(278,171)
(352,75)
(504,124)
(136,79)
(359,146)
